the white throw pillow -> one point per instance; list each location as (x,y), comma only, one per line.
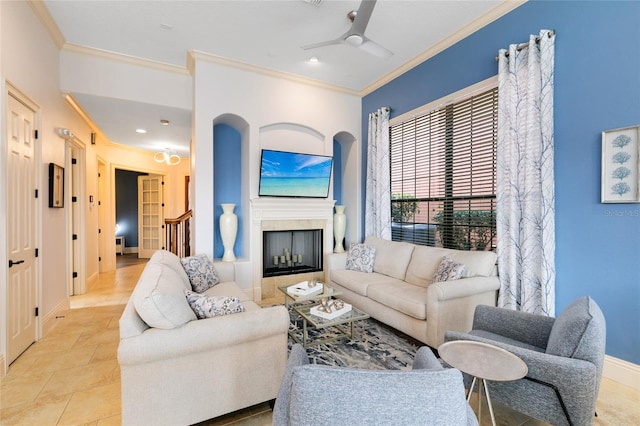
(213,306)
(201,272)
(361,257)
(448,270)
(159,298)
(172,261)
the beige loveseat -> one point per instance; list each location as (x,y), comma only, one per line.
(400,292)
(182,370)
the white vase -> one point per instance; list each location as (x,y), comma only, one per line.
(339,227)
(228,231)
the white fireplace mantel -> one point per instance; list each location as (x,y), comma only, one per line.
(286,214)
(291,209)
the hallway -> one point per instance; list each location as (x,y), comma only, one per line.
(112,288)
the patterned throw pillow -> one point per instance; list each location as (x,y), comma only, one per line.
(201,272)
(213,306)
(448,270)
(361,257)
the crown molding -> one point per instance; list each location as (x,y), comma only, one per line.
(41,11)
(478,23)
(119,57)
(47,21)
(194,55)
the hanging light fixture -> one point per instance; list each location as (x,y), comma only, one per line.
(168,157)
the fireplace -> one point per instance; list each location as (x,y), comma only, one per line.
(276,214)
(290,252)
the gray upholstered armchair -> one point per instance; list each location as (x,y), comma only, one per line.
(321,395)
(564,356)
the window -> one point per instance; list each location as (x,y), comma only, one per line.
(443,175)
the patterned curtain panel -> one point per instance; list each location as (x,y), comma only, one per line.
(525,188)
(377,219)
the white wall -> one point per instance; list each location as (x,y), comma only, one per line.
(3,201)
(31,62)
(266,102)
(111,77)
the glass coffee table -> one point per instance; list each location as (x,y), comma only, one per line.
(291,299)
(310,321)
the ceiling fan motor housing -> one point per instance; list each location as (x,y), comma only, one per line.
(354,39)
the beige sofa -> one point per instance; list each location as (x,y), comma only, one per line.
(400,292)
(183,370)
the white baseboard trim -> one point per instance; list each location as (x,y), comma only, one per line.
(129,250)
(49,320)
(622,371)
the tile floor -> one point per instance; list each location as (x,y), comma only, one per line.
(71,376)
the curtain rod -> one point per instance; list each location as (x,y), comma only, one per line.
(523,45)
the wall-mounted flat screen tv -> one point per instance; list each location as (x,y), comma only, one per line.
(292,174)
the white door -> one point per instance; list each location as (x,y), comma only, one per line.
(21,221)
(150,215)
(102,216)
(75,166)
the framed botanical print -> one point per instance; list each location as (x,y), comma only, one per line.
(621,165)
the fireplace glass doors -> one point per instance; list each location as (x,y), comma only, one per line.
(291,252)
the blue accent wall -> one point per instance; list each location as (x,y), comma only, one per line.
(337,172)
(227,182)
(597,87)
(127,205)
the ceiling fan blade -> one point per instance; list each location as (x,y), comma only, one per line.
(374,48)
(362,17)
(355,35)
(323,43)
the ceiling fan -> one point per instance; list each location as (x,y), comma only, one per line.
(355,35)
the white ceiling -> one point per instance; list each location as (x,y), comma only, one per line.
(264,33)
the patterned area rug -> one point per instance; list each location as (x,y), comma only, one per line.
(374,346)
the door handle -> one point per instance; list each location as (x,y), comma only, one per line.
(11,262)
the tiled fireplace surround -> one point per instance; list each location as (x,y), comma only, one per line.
(280,214)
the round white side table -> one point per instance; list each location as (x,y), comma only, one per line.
(483,362)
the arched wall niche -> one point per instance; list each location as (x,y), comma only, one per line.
(293,137)
(231,148)
(346,181)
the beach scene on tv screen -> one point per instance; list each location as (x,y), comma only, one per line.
(290,174)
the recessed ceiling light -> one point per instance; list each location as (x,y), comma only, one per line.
(314,59)
(164,122)
(141,131)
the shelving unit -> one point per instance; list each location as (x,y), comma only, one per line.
(120,245)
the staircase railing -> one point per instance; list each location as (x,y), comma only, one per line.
(178,234)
